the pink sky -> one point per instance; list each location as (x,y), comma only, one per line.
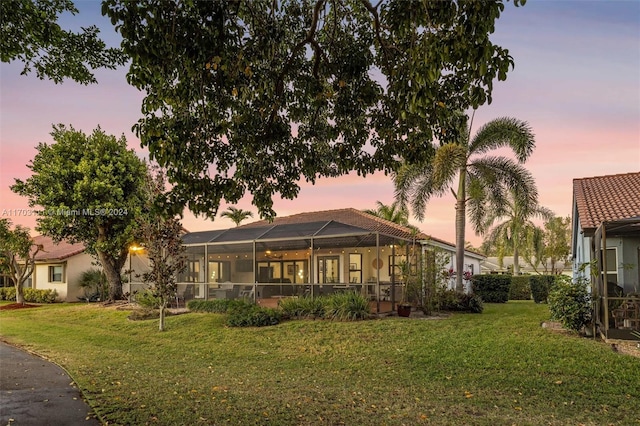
(576,81)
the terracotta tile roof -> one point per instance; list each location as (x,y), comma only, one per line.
(606,198)
(349,216)
(56,251)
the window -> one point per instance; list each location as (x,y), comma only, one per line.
(219,272)
(55,274)
(612,266)
(328,269)
(355,268)
(195,268)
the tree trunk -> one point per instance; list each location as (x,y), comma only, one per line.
(112,267)
(19,292)
(516,259)
(163,306)
(460,225)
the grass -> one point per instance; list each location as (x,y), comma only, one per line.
(497,368)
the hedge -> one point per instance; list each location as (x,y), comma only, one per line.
(540,287)
(30,295)
(492,288)
(520,288)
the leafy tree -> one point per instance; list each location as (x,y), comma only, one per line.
(517,232)
(393,213)
(257,95)
(551,245)
(236,215)
(17,255)
(482,181)
(161,236)
(90,188)
(31,34)
(557,242)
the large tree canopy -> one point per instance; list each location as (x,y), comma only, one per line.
(254,96)
(31,34)
(91,190)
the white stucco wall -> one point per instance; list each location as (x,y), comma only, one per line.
(73,267)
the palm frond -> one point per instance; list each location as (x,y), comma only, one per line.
(504,132)
(447,162)
(409,180)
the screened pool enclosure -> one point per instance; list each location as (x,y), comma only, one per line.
(270,262)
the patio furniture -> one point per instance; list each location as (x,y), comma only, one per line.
(627,316)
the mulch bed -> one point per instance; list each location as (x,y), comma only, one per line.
(14,306)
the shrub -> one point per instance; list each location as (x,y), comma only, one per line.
(492,288)
(147,299)
(570,303)
(39,296)
(303,307)
(520,289)
(540,287)
(249,315)
(94,284)
(31,295)
(346,306)
(219,306)
(7,293)
(451,300)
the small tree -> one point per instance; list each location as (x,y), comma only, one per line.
(17,255)
(161,236)
(236,215)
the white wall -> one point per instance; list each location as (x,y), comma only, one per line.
(69,289)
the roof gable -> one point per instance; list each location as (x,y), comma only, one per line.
(606,198)
(56,251)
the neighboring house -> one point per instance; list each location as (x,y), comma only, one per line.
(491,265)
(606,220)
(306,254)
(59,267)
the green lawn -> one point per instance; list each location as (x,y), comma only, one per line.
(497,368)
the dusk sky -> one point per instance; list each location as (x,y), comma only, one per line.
(576,81)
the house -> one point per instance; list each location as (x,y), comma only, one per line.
(59,266)
(310,253)
(492,265)
(606,248)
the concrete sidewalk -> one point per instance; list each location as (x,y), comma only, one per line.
(34,391)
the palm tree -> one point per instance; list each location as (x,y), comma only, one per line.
(393,213)
(482,180)
(517,231)
(236,215)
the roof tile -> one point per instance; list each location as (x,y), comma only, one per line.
(56,251)
(606,198)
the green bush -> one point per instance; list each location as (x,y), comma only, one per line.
(303,307)
(540,287)
(94,284)
(249,315)
(570,303)
(520,289)
(219,306)
(451,300)
(31,295)
(147,299)
(8,293)
(346,306)
(492,288)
